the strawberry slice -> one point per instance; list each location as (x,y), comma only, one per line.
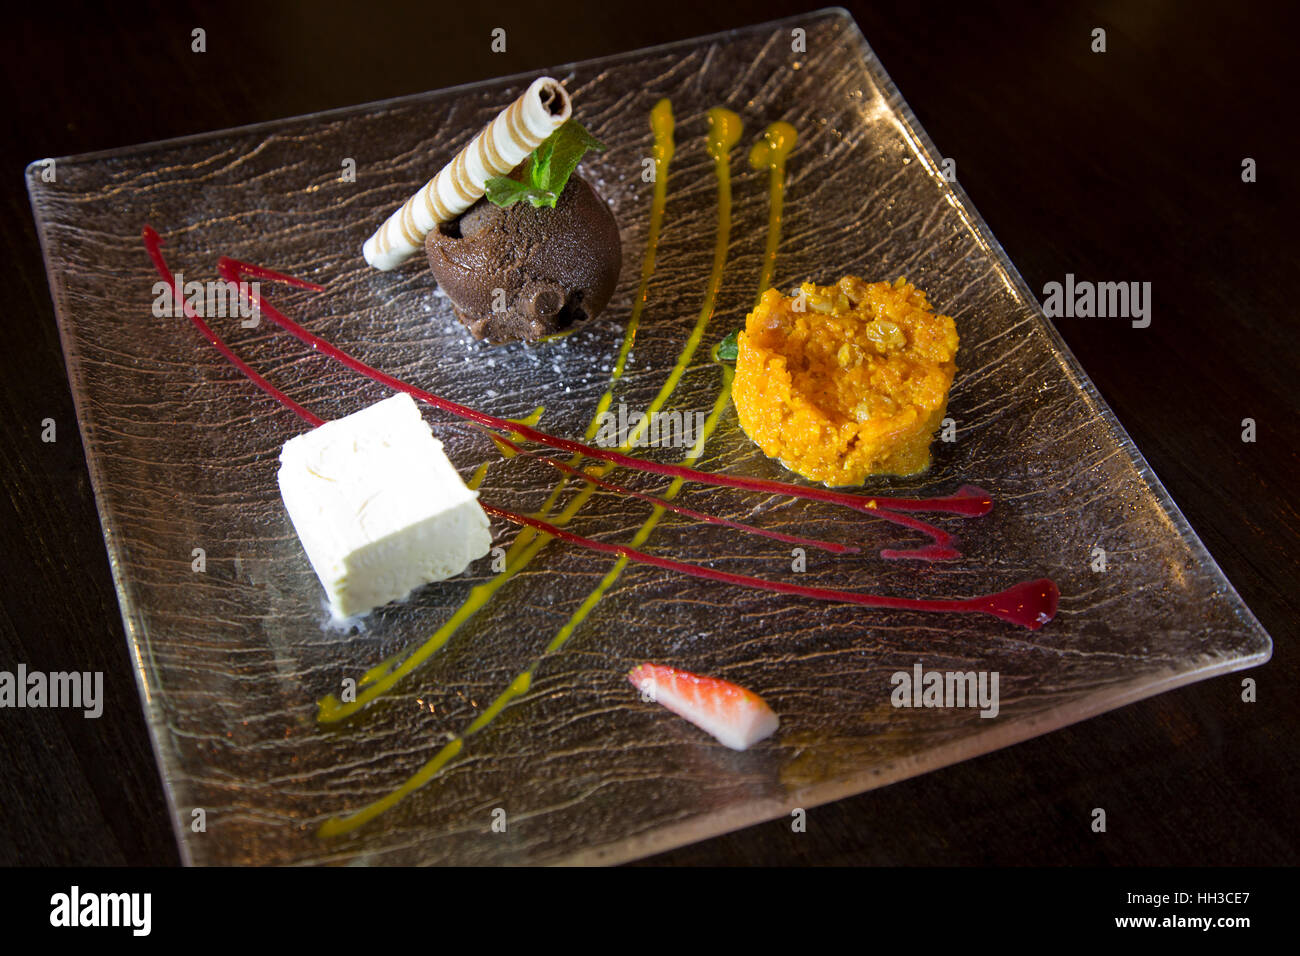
(739,718)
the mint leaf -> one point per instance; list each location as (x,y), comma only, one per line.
(548,168)
(729,348)
(539,164)
(569,144)
(506,192)
(541,197)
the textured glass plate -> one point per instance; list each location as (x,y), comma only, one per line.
(183,455)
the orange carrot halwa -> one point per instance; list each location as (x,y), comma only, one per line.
(845,381)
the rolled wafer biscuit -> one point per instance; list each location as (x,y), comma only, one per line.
(501,146)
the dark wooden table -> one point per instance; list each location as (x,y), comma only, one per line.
(1123,165)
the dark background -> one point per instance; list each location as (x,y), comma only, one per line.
(1117,166)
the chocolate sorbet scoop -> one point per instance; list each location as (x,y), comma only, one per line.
(553,267)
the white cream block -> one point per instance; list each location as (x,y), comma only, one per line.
(378,506)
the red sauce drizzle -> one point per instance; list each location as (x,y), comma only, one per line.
(977,501)
(831,546)
(1030,604)
(152,244)
(967,502)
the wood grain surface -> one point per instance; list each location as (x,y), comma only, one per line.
(1123,165)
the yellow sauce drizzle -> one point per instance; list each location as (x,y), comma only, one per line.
(532,418)
(338,825)
(770,153)
(725,129)
(661,125)
(383,676)
(476,479)
(517,687)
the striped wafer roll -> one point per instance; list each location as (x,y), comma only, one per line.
(500,147)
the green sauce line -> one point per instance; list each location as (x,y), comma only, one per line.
(725,130)
(381,678)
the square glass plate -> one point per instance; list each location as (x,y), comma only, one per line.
(232,660)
